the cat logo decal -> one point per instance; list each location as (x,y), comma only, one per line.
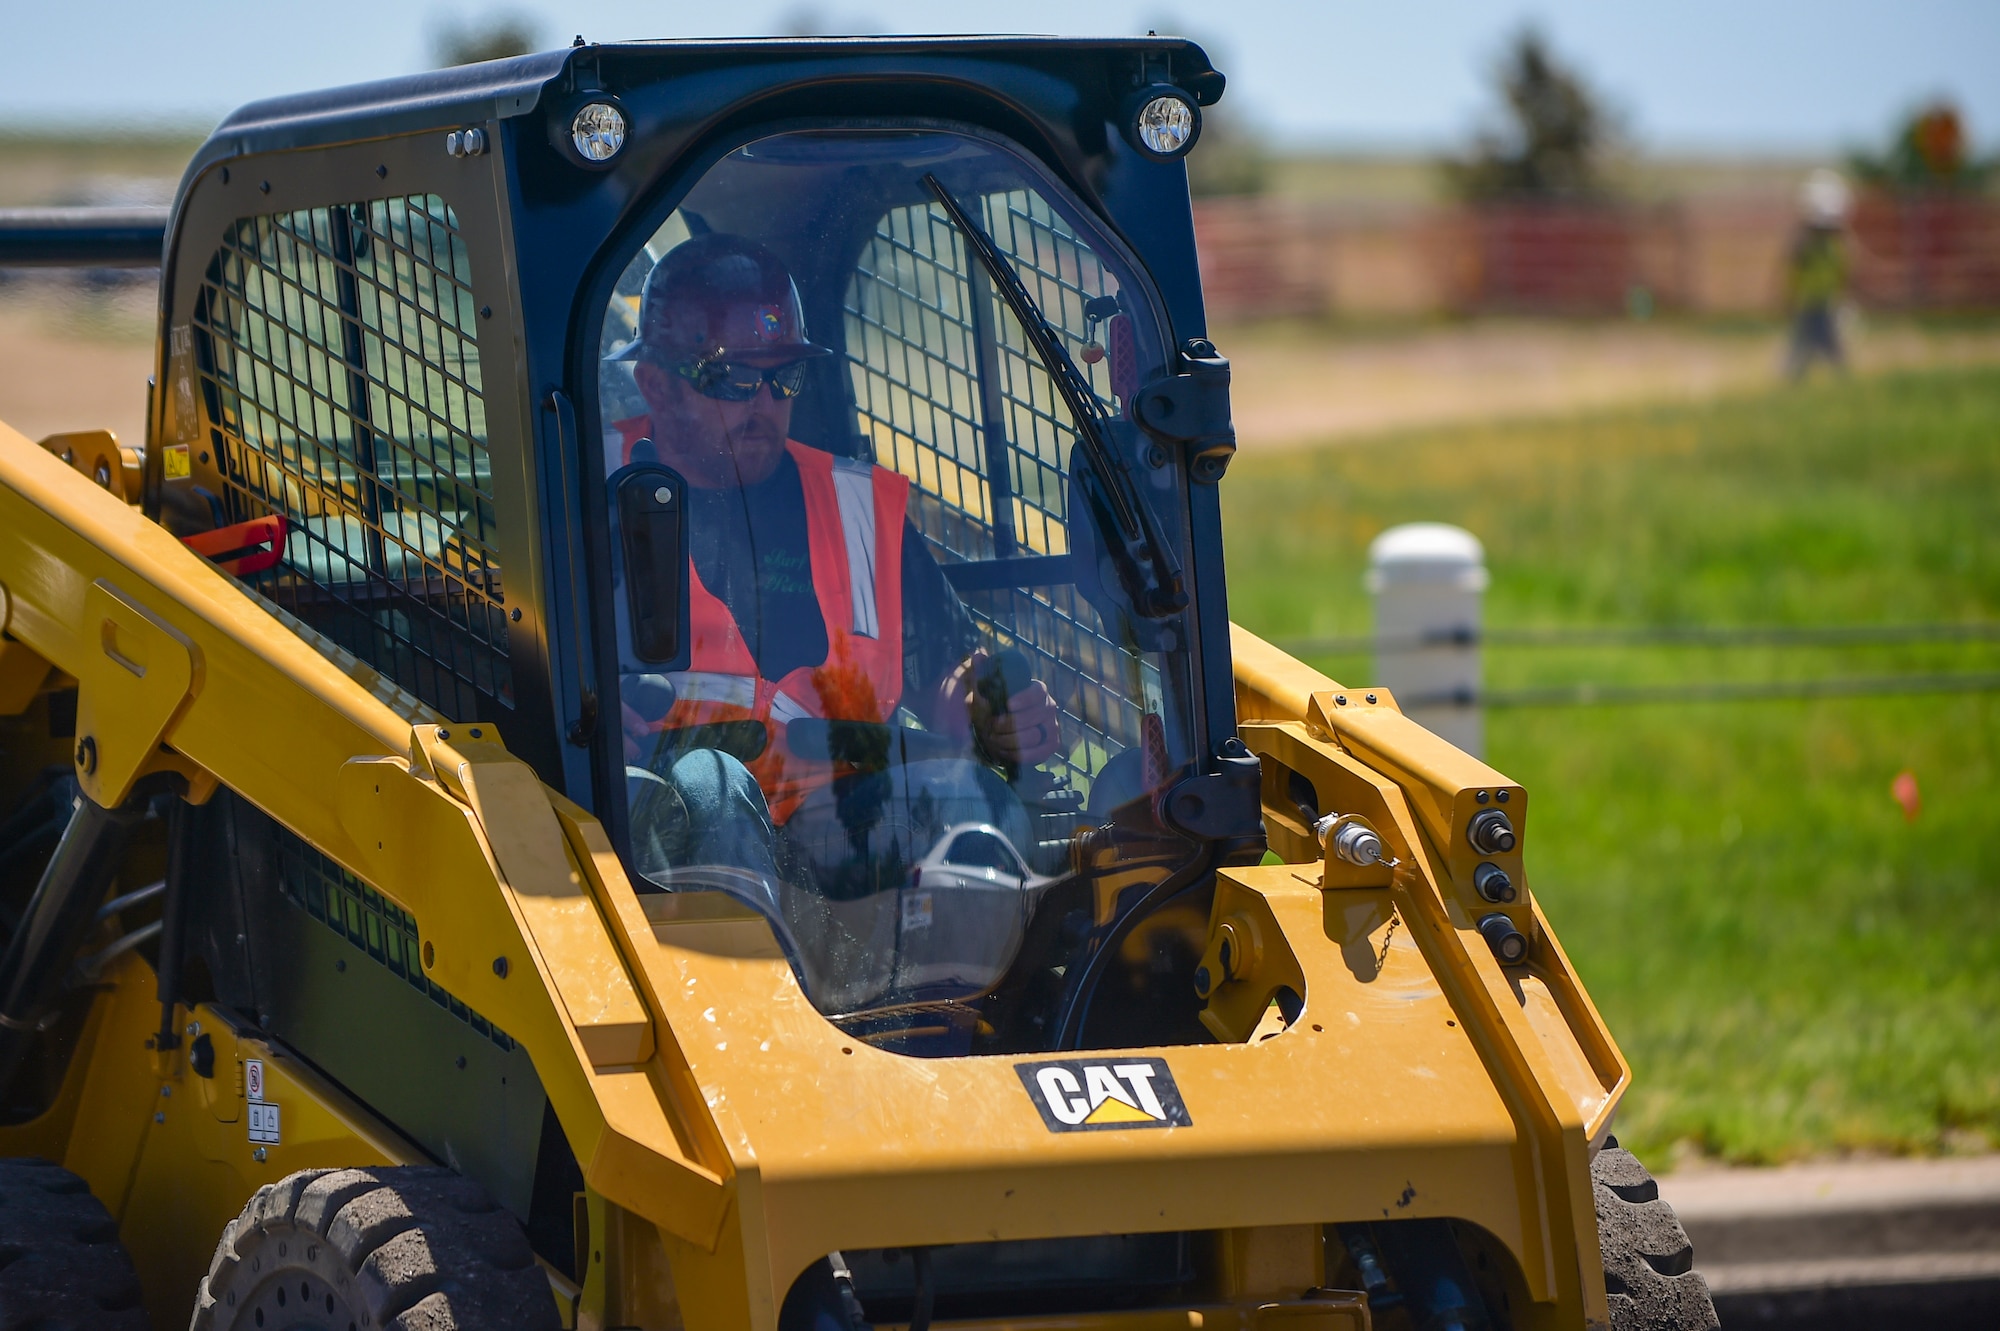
(1089,1094)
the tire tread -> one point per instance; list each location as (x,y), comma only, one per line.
(63,1263)
(1649,1273)
(414,1247)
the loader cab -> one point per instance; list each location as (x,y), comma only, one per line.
(878,593)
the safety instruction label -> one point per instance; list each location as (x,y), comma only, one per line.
(186,423)
(263,1122)
(263,1114)
(174,458)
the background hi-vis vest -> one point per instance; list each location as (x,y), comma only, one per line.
(854,534)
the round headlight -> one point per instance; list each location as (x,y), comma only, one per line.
(598,131)
(1166,125)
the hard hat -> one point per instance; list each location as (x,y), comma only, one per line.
(1824,198)
(721,298)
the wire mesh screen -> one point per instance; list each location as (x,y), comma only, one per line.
(370,921)
(338,361)
(950,394)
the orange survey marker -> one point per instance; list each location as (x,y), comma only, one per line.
(245,548)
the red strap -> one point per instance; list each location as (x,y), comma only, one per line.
(630,431)
(237,549)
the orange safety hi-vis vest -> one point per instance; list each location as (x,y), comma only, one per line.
(854,533)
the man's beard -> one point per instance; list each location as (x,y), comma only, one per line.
(755,447)
(758,432)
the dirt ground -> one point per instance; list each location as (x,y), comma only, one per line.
(76,364)
(1294,388)
(70,362)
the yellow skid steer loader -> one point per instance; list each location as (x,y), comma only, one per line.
(653,739)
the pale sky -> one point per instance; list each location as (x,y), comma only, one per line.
(1730,75)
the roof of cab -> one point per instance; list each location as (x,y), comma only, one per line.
(500,89)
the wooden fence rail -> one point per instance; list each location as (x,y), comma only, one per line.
(1270,257)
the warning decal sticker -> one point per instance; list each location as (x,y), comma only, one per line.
(264,1124)
(1089,1094)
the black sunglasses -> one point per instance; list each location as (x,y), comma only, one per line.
(733,381)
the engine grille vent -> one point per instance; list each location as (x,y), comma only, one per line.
(370,921)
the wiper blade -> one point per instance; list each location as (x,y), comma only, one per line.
(1145,562)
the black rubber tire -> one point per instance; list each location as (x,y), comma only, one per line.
(1648,1262)
(61,1264)
(391,1249)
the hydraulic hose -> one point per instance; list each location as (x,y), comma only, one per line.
(1076,1014)
(59,916)
(49,799)
(1418,1265)
(182,828)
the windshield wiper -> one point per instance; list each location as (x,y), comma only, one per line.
(1145,562)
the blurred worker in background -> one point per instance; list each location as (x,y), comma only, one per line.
(1816,274)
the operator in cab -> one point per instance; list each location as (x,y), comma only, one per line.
(811,598)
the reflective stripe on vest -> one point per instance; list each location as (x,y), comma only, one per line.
(786,709)
(714,686)
(854,486)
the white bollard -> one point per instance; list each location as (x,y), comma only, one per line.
(1428,579)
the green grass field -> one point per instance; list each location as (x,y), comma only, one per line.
(1792,967)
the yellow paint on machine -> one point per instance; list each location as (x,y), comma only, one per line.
(729,1135)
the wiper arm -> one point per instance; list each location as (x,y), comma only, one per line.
(1146,564)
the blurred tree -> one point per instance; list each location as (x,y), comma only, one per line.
(1553,135)
(492,37)
(1930,152)
(1231,157)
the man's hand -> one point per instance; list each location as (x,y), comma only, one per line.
(644,702)
(1025,733)
(636,729)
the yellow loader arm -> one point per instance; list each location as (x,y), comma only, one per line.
(178,668)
